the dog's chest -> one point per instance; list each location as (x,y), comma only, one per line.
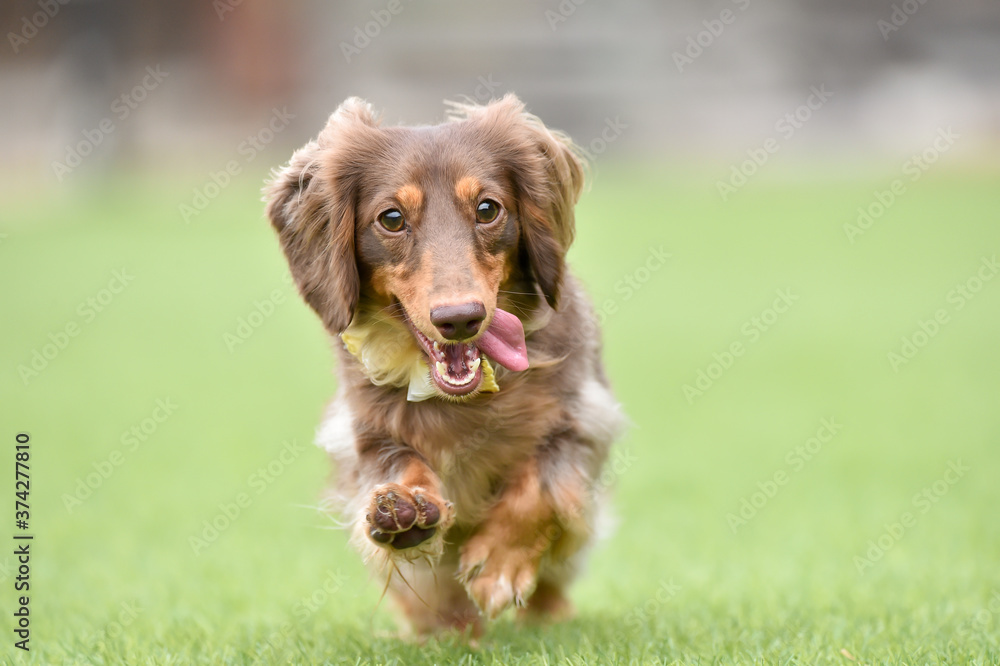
(473,449)
(455,439)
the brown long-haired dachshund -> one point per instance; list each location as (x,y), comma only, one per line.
(473,416)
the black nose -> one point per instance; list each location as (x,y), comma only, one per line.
(458,322)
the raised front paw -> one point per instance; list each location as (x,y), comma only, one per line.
(399,517)
(500,569)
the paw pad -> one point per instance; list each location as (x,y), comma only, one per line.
(402,519)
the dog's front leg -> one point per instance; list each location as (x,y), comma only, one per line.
(405,514)
(538,514)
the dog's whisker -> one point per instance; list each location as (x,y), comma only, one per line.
(517,293)
(385,319)
(337,525)
(526,314)
(324,513)
(387,314)
(391,307)
(407,583)
(388,579)
(314,507)
(430,565)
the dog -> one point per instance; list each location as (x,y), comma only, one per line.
(473,416)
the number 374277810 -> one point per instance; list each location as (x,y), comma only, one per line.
(22,481)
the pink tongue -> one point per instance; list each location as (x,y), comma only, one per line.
(503,341)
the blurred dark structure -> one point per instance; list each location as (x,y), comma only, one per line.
(580,64)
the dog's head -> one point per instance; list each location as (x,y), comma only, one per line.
(434,233)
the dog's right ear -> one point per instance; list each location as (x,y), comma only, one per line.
(548,172)
(311,204)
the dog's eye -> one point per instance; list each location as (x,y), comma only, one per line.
(487,211)
(391,220)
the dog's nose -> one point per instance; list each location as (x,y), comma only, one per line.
(458,322)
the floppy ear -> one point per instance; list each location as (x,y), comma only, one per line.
(548,174)
(547,221)
(311,204)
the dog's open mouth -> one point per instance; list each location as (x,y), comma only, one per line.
(456,367)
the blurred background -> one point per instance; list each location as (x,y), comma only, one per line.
(790,238)
(687,83)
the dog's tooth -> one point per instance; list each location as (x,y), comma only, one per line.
(442,369)
(473,367)
(437,347)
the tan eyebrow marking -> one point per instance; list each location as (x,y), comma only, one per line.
(467,188)
(411,196)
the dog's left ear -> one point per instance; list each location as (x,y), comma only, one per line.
(311,205)
(548,173)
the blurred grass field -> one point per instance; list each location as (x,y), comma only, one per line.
(116,577)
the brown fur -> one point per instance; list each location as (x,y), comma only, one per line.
(514,473)
(411,197)
(467,188)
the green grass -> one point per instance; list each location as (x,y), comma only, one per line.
(673,583)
